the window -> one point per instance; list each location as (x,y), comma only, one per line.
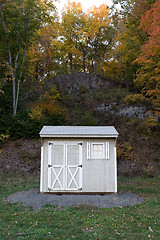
(98,150)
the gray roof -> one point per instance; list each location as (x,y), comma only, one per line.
(78,131)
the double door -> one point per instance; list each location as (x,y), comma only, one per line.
(65,166)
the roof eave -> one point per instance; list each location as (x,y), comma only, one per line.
(77,136)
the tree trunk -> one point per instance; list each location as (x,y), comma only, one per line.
(124,74)
(14,68)
(125,80)
(84,61)
(70,62)
(14,95)
(95,58)
(95,62)
(102,62)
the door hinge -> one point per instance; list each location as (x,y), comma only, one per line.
(80,165)
(50,143)
(80,189)
(80,144)
(49,165)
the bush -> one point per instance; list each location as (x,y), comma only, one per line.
(124,152)
(135,99)
(21,126)
(28,123)
(89,120)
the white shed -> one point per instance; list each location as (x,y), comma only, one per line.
(78,159)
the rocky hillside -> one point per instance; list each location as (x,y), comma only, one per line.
(92,100)
(73,83)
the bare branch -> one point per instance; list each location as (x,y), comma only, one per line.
(24,53)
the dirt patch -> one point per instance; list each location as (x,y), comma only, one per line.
(33,198)
(20,156)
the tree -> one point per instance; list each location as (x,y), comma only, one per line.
(43,54)
(148,79)
(129,37)
(21,19)
(86,37)
(72,32)
(99,34)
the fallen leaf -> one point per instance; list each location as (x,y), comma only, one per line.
(150,229)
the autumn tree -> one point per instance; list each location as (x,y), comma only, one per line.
(43,54)
(129,37)
(86,37)
(21,20)
(99,34)
(148,79)
(72,30)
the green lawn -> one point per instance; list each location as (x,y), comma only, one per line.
(83,222)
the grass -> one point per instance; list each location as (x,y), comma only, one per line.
(82,222)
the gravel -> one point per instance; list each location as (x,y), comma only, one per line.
(33,198)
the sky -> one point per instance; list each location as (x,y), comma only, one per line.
(85,3)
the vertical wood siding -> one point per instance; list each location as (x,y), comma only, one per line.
(98,175)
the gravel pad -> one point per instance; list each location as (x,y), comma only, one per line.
(33,198)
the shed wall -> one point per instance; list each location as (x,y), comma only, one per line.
(98,175)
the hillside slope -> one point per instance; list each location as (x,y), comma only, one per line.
(92,100)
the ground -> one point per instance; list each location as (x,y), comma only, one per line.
(33,198)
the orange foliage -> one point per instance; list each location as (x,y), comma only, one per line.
(149,75)
(97,18)
(42,53)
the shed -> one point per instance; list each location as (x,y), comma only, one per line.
(78,159)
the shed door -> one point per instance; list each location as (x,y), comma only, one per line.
(65,166)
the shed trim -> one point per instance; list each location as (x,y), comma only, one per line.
(115,167)
(41,176)
(77,136)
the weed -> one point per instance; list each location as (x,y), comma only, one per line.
(25,154)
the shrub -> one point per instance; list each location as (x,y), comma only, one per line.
(124,151)
(150,170)
(48,107)
(135,99)
(3,138)
(89,120)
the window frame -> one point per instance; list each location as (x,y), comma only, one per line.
(105,149)
(92,150)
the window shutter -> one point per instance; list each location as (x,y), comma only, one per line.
(88,150)
(107,150)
